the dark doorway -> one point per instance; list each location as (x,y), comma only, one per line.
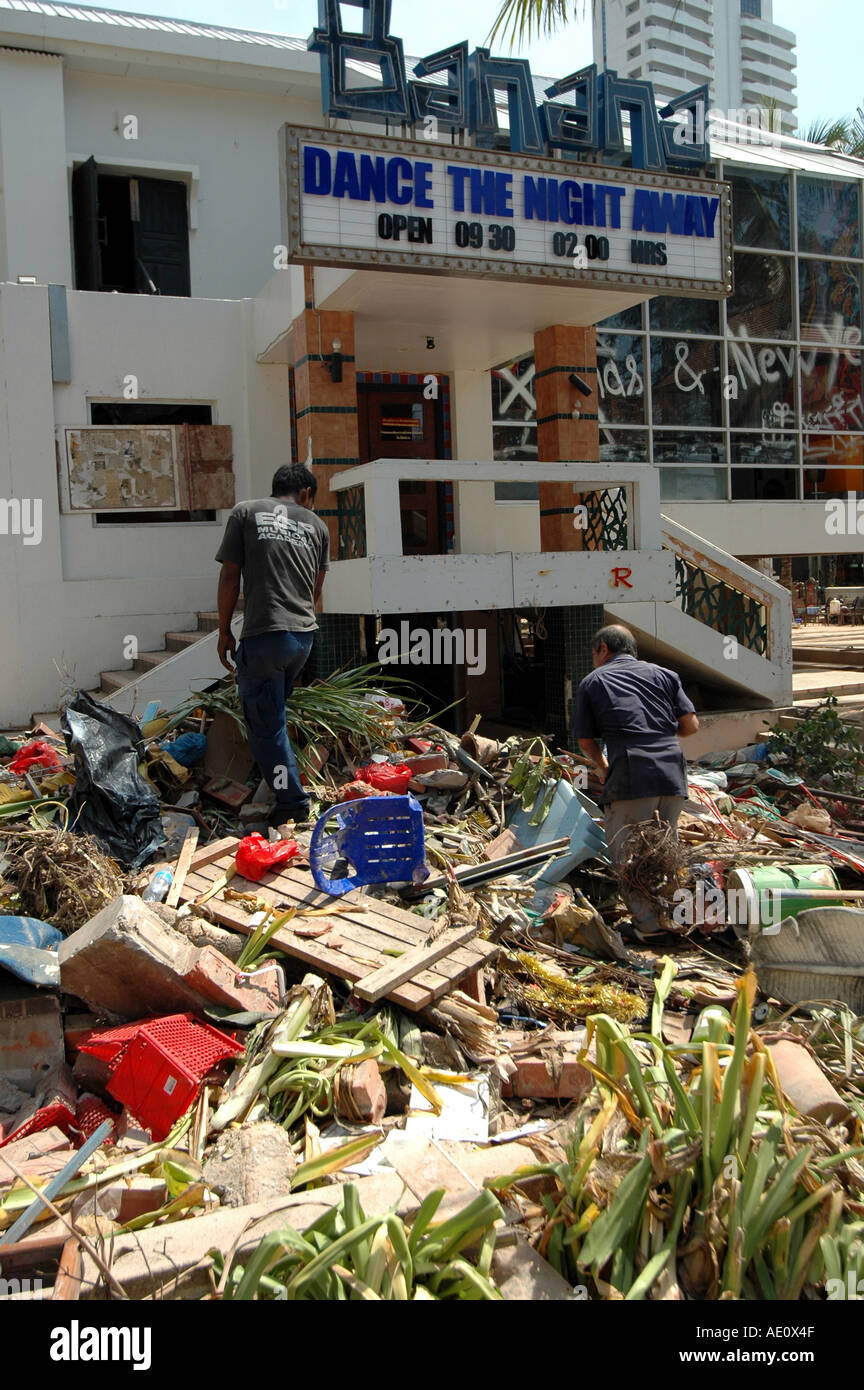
(396,422)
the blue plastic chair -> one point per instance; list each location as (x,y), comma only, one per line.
(381,837)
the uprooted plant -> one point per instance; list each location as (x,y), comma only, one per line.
(689,1176)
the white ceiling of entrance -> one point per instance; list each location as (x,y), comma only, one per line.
(475,323)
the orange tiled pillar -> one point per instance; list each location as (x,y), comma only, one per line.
(560,351)
(326,410)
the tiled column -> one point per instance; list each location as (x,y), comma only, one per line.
(326,410)
(560,351)
(327,435)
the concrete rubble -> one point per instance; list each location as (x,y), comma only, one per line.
(252,1076)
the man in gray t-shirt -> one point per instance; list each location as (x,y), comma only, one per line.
(280,548)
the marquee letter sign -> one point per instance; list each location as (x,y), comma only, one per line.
(590,122)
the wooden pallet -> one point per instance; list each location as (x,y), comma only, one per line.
(363,937)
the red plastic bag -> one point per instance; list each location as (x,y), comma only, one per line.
(37,753)
(386,777)
(256,857)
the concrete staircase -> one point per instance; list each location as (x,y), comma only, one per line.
(175,642)
(728,631)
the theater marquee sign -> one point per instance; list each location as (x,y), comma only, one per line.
(372,202)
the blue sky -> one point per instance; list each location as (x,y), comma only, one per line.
(830,78)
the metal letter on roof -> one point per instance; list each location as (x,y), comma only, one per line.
(515,74)
(384,101)
(449,105)
(619,94)
(572,127)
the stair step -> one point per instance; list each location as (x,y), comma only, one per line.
(146,661)
(179,641)
(115,680)
(208,622)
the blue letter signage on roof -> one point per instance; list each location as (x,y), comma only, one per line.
(587,121)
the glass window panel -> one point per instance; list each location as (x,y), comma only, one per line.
(620,379)
(628,318)
(623,446)
(674,314)
(516,492)
(763,385)
(693,484)
(513,391)
(828,218)
(764,484)
(833,464)
(678,446)
(760,208)
(515,442)
(759,450)
(761,303)
(831,390)
(685,381)
(830,301)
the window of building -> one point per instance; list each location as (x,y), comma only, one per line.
(760,208)
(685,381)
(623,445)
(833,465)
(760,305)
(762,393)
(828,217)
(131,235)
(620,378)
(831,390)
(514,424)
(149,413)
(670,314)
(829,298)
(633,52)
(628,318)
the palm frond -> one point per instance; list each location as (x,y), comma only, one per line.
(524,20)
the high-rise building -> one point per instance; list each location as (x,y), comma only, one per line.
(732,45)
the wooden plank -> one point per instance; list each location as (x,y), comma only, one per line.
(397,930)
(365,935)
(67,1285)
(182,868)
(398,972)
(220,849)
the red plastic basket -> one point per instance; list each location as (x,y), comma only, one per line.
(56,1114)
(91,1113)
(159,1072)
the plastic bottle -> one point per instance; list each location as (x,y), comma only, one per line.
(157,889)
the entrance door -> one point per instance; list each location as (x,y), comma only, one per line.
(397,423)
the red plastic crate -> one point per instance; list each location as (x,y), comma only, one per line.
(57,1114)
(160,1070)
(91,1113)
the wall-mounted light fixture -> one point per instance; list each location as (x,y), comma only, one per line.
(27,280)
(579,384)
(335,360)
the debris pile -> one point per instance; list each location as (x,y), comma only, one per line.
(405,1052)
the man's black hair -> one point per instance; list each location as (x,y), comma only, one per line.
(292,478)
(617,640)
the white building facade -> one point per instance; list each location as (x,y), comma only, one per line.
(142,154)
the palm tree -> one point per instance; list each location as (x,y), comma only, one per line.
(524,20)
(846,134)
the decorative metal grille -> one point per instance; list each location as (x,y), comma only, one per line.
(729,611)
(607,519)
(352,524)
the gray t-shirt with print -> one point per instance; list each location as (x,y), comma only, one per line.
(281,548)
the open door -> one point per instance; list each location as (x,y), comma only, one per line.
(85,222)
(396,422)
(160,236)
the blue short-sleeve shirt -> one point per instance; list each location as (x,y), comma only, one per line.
(633,707)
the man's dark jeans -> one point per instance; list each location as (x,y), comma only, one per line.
(267,669)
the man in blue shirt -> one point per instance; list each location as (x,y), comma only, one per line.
(639,711)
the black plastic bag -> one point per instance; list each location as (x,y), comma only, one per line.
(110,799)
